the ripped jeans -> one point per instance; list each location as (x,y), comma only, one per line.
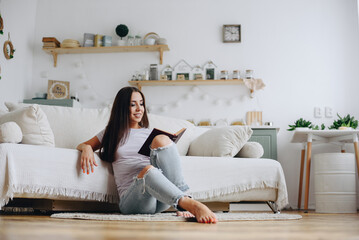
(161,187)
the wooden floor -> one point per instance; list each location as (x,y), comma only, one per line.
(311,226)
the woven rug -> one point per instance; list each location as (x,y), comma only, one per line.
(172,217)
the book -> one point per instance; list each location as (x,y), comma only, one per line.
(50,45)
(50,39)
(145,149)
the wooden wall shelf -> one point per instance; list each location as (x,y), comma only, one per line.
(143,48)
(139,84)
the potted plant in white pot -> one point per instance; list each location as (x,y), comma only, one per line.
(121,31)
(344,123)
(300,124)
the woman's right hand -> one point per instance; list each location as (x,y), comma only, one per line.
(88,159)
(87,154)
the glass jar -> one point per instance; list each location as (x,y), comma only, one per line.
(138,40)
(249,74)
(224,75)
(130,40)
(236,74)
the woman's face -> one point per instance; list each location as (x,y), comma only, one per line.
(136,109)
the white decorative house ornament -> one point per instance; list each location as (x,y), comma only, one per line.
(167,71)
(210,70)
(197,73)
(182,68)
(254,84)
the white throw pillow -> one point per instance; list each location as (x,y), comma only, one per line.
(251,150)
(10,132)
(72,126)
(33,123)
(2,112)
(173,125)
(220,141)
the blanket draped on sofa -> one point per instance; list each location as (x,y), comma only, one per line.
(55,173)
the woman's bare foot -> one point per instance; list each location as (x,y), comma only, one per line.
(185,214)
(202,213)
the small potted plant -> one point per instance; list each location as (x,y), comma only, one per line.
(121,31)
(300,124)
(316,127)
(344,123)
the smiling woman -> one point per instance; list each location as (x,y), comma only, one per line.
(146,184)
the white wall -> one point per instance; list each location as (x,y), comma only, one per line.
(16,74)
(305,51)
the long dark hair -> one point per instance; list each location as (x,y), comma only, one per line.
(118,126)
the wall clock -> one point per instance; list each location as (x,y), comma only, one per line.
(231,33)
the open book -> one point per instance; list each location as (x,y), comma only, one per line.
(145,149)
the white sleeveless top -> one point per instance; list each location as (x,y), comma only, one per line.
(128,162)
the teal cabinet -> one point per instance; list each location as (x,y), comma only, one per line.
(54,102)
(267,137)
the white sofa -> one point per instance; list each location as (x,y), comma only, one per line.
(45,165)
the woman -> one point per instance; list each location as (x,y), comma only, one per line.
(146,185)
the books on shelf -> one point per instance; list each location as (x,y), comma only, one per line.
(50,42)
(145,149)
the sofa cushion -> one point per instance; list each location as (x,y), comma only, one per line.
(251,150)
(33,123)
(220,141)
(72,126)
(173,125)
(10,132)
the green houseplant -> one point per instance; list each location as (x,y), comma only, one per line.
(300,123)
(344,122)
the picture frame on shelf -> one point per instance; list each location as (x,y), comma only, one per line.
(89,40)
(58,89)
(210,70)
(168,71)
(183,68)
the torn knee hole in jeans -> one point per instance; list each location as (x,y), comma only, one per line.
(144,178)
(162,148)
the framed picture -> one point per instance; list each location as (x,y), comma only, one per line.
(89,40)
(210,70)
(58,89)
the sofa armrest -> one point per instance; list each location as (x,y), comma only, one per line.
(251,150)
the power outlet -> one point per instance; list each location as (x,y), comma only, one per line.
(328,112)
(318,112)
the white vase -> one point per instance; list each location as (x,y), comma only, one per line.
(302,128)
(121,42)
